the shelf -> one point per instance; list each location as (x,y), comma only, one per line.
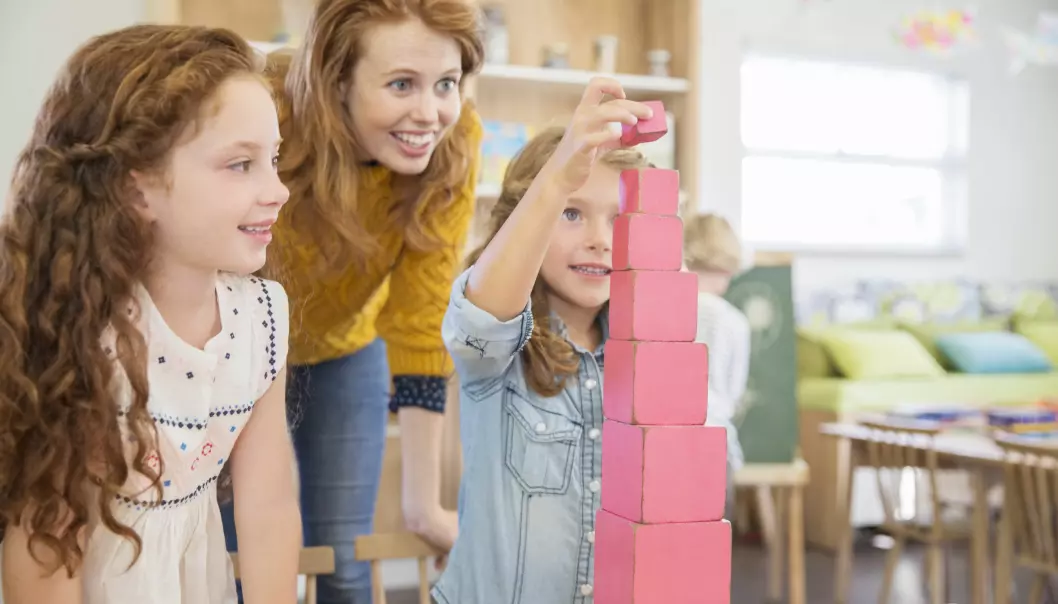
(487,191)
(572,78)
(576,78)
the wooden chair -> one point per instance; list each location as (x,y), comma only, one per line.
(390,540)
(312,562)
(377,547)
(892,456)
(1028,528)
(778,489)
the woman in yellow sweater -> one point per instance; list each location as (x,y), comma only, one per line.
(380,154)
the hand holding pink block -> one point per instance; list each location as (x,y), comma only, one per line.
(686,563)
(645,131)
(656,383)
(659,474)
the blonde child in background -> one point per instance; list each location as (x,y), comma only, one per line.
(526,326)
(138,358)
(713,251)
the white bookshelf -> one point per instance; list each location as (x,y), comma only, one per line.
(577,79)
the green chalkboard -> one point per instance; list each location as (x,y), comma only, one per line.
(768,426)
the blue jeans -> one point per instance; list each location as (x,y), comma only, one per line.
(339,410)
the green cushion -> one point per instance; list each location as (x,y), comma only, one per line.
(1044,334)
(927,333)
(812,358)
(866,355)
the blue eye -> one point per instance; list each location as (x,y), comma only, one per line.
(402,85)
(275,162)
(447,85)
(571,214)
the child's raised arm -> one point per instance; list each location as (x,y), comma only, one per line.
(503,277)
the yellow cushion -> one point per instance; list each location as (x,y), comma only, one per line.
(813,360)
(1044,334)
(865,355)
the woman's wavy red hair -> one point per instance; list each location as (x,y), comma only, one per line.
(320,149)
(72,250)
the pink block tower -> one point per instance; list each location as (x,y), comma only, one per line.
(660,536)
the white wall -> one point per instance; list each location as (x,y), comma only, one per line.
(35,39)
(1013,206)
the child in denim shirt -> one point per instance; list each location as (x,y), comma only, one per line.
(526,326)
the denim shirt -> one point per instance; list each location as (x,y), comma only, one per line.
(530,487)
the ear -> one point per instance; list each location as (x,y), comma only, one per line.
(143,189)
(343,91)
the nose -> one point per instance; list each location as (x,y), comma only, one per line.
(276,193)
(426,109)
(600,237)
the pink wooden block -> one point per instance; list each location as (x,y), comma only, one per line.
(647,242)
(646,131)
(650,191)
(655,474)
(656,383)
(684,563)
(654,305)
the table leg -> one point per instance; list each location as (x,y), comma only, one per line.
(795,526)
(1002,578)
(770,513)
(979,540)
(843,517)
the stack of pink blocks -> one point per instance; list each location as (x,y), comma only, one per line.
(660,536)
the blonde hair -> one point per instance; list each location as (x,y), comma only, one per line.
(548,358)
(710,244)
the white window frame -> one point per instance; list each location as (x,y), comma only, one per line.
(953,166)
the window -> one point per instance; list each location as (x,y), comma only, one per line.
(841,156)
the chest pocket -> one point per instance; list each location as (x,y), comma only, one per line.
(541,445)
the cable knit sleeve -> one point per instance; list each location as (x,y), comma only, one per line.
(420,284)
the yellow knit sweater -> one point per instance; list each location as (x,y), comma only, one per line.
(401,296)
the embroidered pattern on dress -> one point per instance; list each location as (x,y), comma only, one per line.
(195,423)
(266,299)
(132,502)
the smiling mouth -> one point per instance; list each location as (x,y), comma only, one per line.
(417,141)
(256,230)
(591,271)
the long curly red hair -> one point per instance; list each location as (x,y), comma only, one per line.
(320,148)
(73,248)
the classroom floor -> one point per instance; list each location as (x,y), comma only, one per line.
(750,569)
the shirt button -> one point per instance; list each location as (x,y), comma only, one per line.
(591,536)
(541,427)
(590,384)
(593,433)
(593,486)
(585,590)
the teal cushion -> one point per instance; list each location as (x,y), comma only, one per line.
(992,352)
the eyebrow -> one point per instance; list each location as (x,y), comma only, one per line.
(248,146)
(410,71)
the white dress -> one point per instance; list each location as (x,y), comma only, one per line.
(726,331)
(200,401)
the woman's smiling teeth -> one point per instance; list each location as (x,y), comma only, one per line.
(414,140)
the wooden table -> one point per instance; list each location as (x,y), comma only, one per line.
(975,453)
